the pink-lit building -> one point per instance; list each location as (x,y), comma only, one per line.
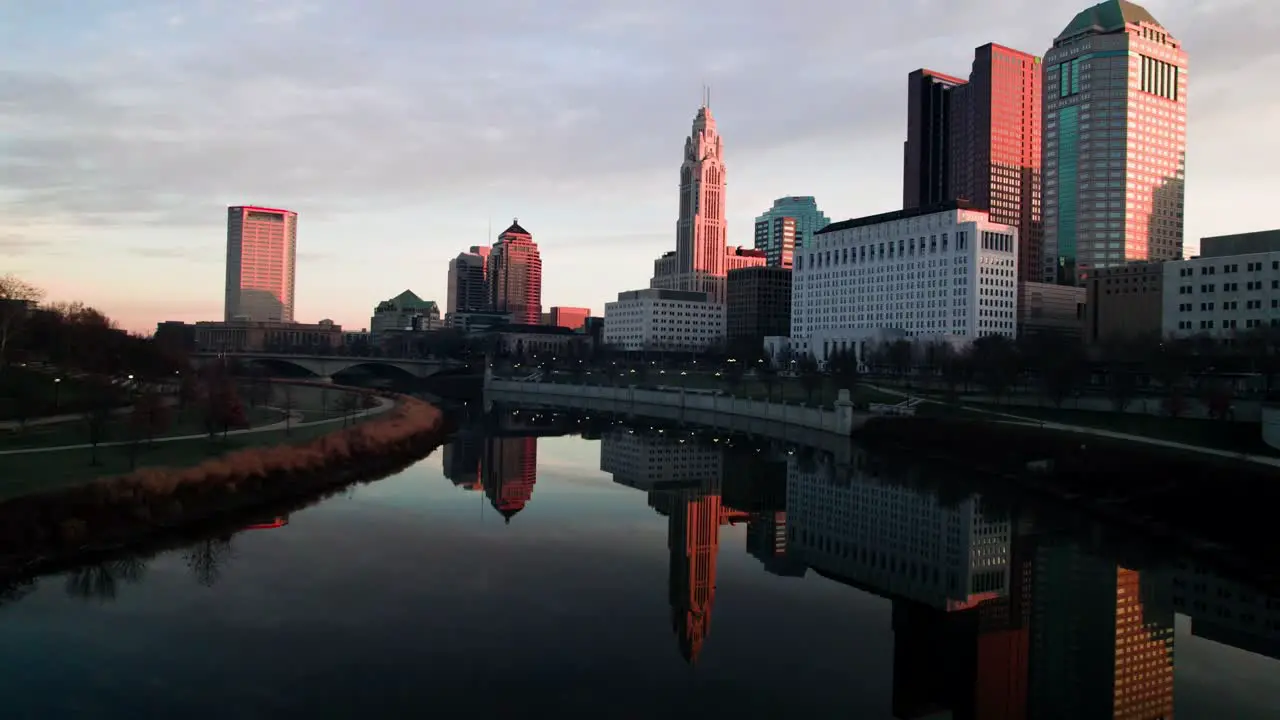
(1115,143)
(979,140)
(702,258)
(514,276)
(261,253)
(569,317)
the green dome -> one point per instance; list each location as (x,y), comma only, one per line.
(1108,16)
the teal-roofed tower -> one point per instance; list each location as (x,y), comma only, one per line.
(779,237)
(1114,106)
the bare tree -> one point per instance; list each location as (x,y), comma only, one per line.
(206,559)
(16,299)
(288,404)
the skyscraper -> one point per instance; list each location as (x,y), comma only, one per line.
(261,252)
(702,257)
(1115,142)
(514,277)
(995,146)
(788,225)
(979,140)
(926,162)
(467,290)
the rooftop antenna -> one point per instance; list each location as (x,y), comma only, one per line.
(489,234)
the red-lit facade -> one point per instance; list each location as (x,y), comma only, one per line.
(979,140)
(995,144)
(569,317)
(509,471)
(514,276)
(261,261)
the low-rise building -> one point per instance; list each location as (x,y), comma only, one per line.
(470,323)
(405,311)
(758,306)
(1124,302)
(938,271)
(1050,308)
(515,340)
(655,319)
(569,317)
(1221,295)
(248,336)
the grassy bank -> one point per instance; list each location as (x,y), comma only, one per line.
(24,473)
(120,510)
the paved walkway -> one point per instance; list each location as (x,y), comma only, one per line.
(384,404)
(70,417)
(1082,430)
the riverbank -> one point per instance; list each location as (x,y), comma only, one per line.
(31,463)
(54,526)
(1215,505)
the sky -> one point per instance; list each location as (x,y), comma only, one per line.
(404,132)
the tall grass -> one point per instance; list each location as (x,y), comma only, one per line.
(127,508)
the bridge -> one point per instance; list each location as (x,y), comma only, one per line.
(326,366)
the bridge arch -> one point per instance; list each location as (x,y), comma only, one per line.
(378,367)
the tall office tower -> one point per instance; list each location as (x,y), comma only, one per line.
(1115,143)
(995,146)
(514,277)
(702,257)
(508,472)
(262,248)
(788,225)
(926,165)
(467,291)
(979,140)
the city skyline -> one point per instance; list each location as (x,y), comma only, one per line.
(158,156)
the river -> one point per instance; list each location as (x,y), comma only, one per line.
(509,576)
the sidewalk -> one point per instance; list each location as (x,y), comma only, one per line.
(69,417)
(384,404)
(1080,429)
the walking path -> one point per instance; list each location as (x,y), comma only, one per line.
(384,404)
(66,418)
(1080,429)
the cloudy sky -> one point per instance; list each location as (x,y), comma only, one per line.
(398,130)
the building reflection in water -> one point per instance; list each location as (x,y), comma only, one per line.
(1103,637)
(989,620)
(461,460)
(509,470)
(991,617)
(684,480)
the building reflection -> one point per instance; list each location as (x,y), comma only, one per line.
(509,469)
(1226,611)
(461,460)
(992,617)
(1102,637)
(683,478)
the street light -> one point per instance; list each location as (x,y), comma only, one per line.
(57,386)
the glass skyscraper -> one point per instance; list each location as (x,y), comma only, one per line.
(774,235)
(1115,142)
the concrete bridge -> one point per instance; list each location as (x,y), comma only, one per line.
(821,429)
(326,366)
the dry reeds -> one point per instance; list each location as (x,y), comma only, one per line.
(129,507)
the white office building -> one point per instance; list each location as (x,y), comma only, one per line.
(904,541)
(653,319)
(1221,296)
(648,461)
(941,272)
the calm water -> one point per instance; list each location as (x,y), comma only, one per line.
(516,576)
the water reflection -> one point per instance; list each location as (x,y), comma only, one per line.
(993,617)
(997,609)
